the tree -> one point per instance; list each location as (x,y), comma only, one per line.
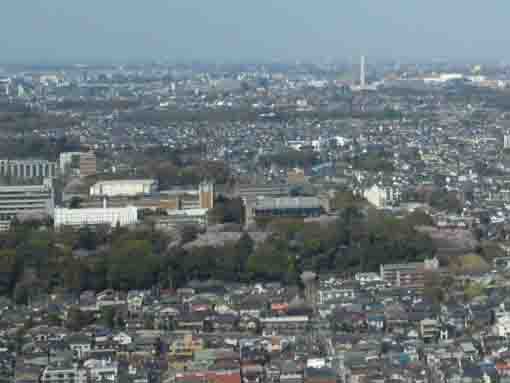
(418,218)
(244,248)
(148,323)
(269,262)
(87,238)
(77,319)
(189,233)
(108,317)
(75,203)
(433,287)
(54,319)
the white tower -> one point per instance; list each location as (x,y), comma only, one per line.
(362,72)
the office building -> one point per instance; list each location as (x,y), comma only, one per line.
(180,218)
(124,188)
(112,217)
(23,200)
(287,207)
(83,164)
(28,168)
(252,192)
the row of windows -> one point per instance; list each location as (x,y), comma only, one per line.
(298,212)
(28,170)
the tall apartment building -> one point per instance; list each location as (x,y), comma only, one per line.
(28,168)
(24,200)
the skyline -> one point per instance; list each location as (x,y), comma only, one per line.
(39,31)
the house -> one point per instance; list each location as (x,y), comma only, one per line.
(190,322)
(185,346)
(80,344)
(122,338)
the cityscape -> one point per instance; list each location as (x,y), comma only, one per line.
(341,219)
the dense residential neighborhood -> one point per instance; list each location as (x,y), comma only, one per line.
(255,223)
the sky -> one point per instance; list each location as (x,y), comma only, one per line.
(52,30)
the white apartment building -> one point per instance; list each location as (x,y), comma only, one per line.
(112,217)
(24,200)
(125,188)
(64,373)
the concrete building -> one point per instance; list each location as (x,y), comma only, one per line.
(506,141)
(206,195)
(410,275)
(102,370)
(28,168)
(112,217)
(180,218)
(83,164)
(88,164)
(252,192)
(64,373)
(429,329)
(126,188)
(286,207)
(25,200)
(381,196)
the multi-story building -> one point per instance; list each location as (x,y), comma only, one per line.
(180,218)
(429,329)
(126,188)
(102,371)
(284,324)
(64,373)
(381,196)
(83,164)
(410,275)
(28,168)
(112,217)
(252,192)
(292,207)
(25,200)
(206,195)
(88,164)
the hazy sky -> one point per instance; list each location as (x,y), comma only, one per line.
(251,29)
